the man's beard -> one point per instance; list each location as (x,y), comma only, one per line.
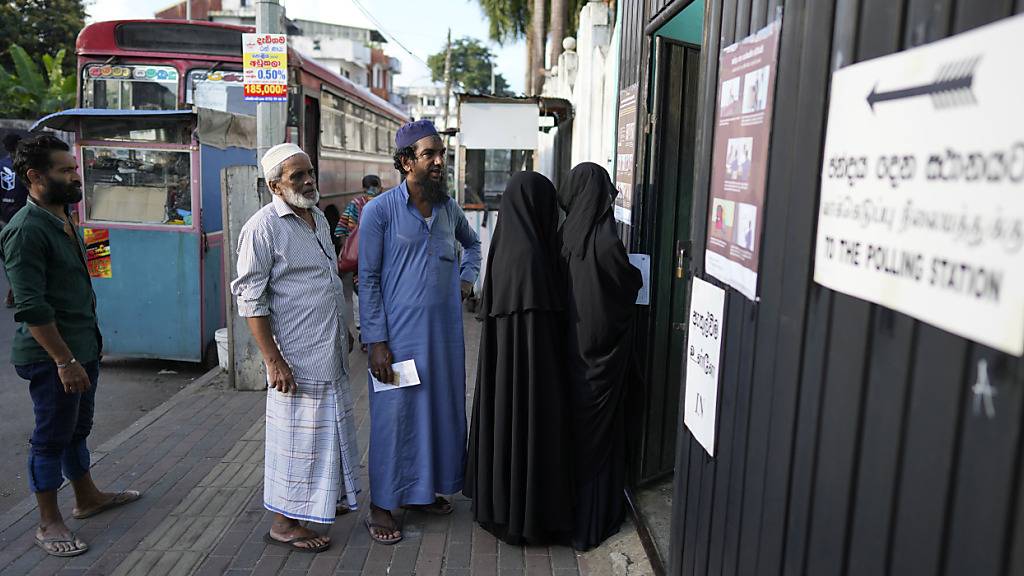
(298,199)
(435,191)
(62,193)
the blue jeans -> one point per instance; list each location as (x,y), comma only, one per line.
(63,422)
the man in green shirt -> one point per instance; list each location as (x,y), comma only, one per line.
(57,346)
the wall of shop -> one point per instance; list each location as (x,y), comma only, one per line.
(848,441)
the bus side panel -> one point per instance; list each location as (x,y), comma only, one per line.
(212,162)
(149,307)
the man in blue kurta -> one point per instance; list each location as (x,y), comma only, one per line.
(410,282)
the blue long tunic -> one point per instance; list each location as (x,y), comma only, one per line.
(409,297)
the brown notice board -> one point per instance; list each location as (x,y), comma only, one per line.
(625,147)
(746,72)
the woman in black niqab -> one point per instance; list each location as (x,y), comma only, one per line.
(518,467)
(601,287)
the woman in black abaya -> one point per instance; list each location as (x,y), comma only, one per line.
(601,288)
(519,465)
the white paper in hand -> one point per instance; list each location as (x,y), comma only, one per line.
(405,376)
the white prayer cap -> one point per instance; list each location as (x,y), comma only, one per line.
(278,154)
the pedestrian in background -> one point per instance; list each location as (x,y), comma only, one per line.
(601,292)
(347,231)
(13,193)
(289,290)
(410,280)
(57,346)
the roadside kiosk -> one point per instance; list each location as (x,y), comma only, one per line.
(152,219)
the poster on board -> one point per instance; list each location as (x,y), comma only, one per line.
(625,146)
(922,185)
(739,175)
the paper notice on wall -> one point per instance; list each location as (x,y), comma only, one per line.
(922,185)
(703,350)
(642,262)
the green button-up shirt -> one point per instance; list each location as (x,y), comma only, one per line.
(51,283)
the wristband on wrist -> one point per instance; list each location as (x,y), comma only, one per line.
(67,364)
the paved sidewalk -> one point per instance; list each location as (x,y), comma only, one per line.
(198,459)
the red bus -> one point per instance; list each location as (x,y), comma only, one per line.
(347,130)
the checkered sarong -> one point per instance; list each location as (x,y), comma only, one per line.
(311,460)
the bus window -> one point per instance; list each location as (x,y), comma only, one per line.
(353,129)
(130,87)
(332,122)
(137,186)
(382,140)
(219,90)
(369,134)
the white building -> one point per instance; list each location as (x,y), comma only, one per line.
(426,102)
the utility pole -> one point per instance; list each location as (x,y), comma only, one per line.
(270,116)
(447,77)
(492,77)
(188,9)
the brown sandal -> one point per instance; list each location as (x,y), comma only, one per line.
(293,544)
(440,507)
(370,527)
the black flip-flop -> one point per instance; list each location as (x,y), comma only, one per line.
(370,526)
(440,507)
(298,540)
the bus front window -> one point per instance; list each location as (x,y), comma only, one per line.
(130,87)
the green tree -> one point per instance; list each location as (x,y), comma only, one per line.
(471,68)
(30,94)
(41,27)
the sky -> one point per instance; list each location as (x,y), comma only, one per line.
(420,27)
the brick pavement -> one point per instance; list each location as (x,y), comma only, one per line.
(198,460)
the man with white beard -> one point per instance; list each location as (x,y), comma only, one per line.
(289,290)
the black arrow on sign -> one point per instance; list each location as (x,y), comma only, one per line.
(952,87)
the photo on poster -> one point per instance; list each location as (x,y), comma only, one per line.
(755,90)
(730,103)
(723,213)
(746,225)
(737,159)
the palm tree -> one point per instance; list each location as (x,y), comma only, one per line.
(512,20)
(557,17)
(538,33)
